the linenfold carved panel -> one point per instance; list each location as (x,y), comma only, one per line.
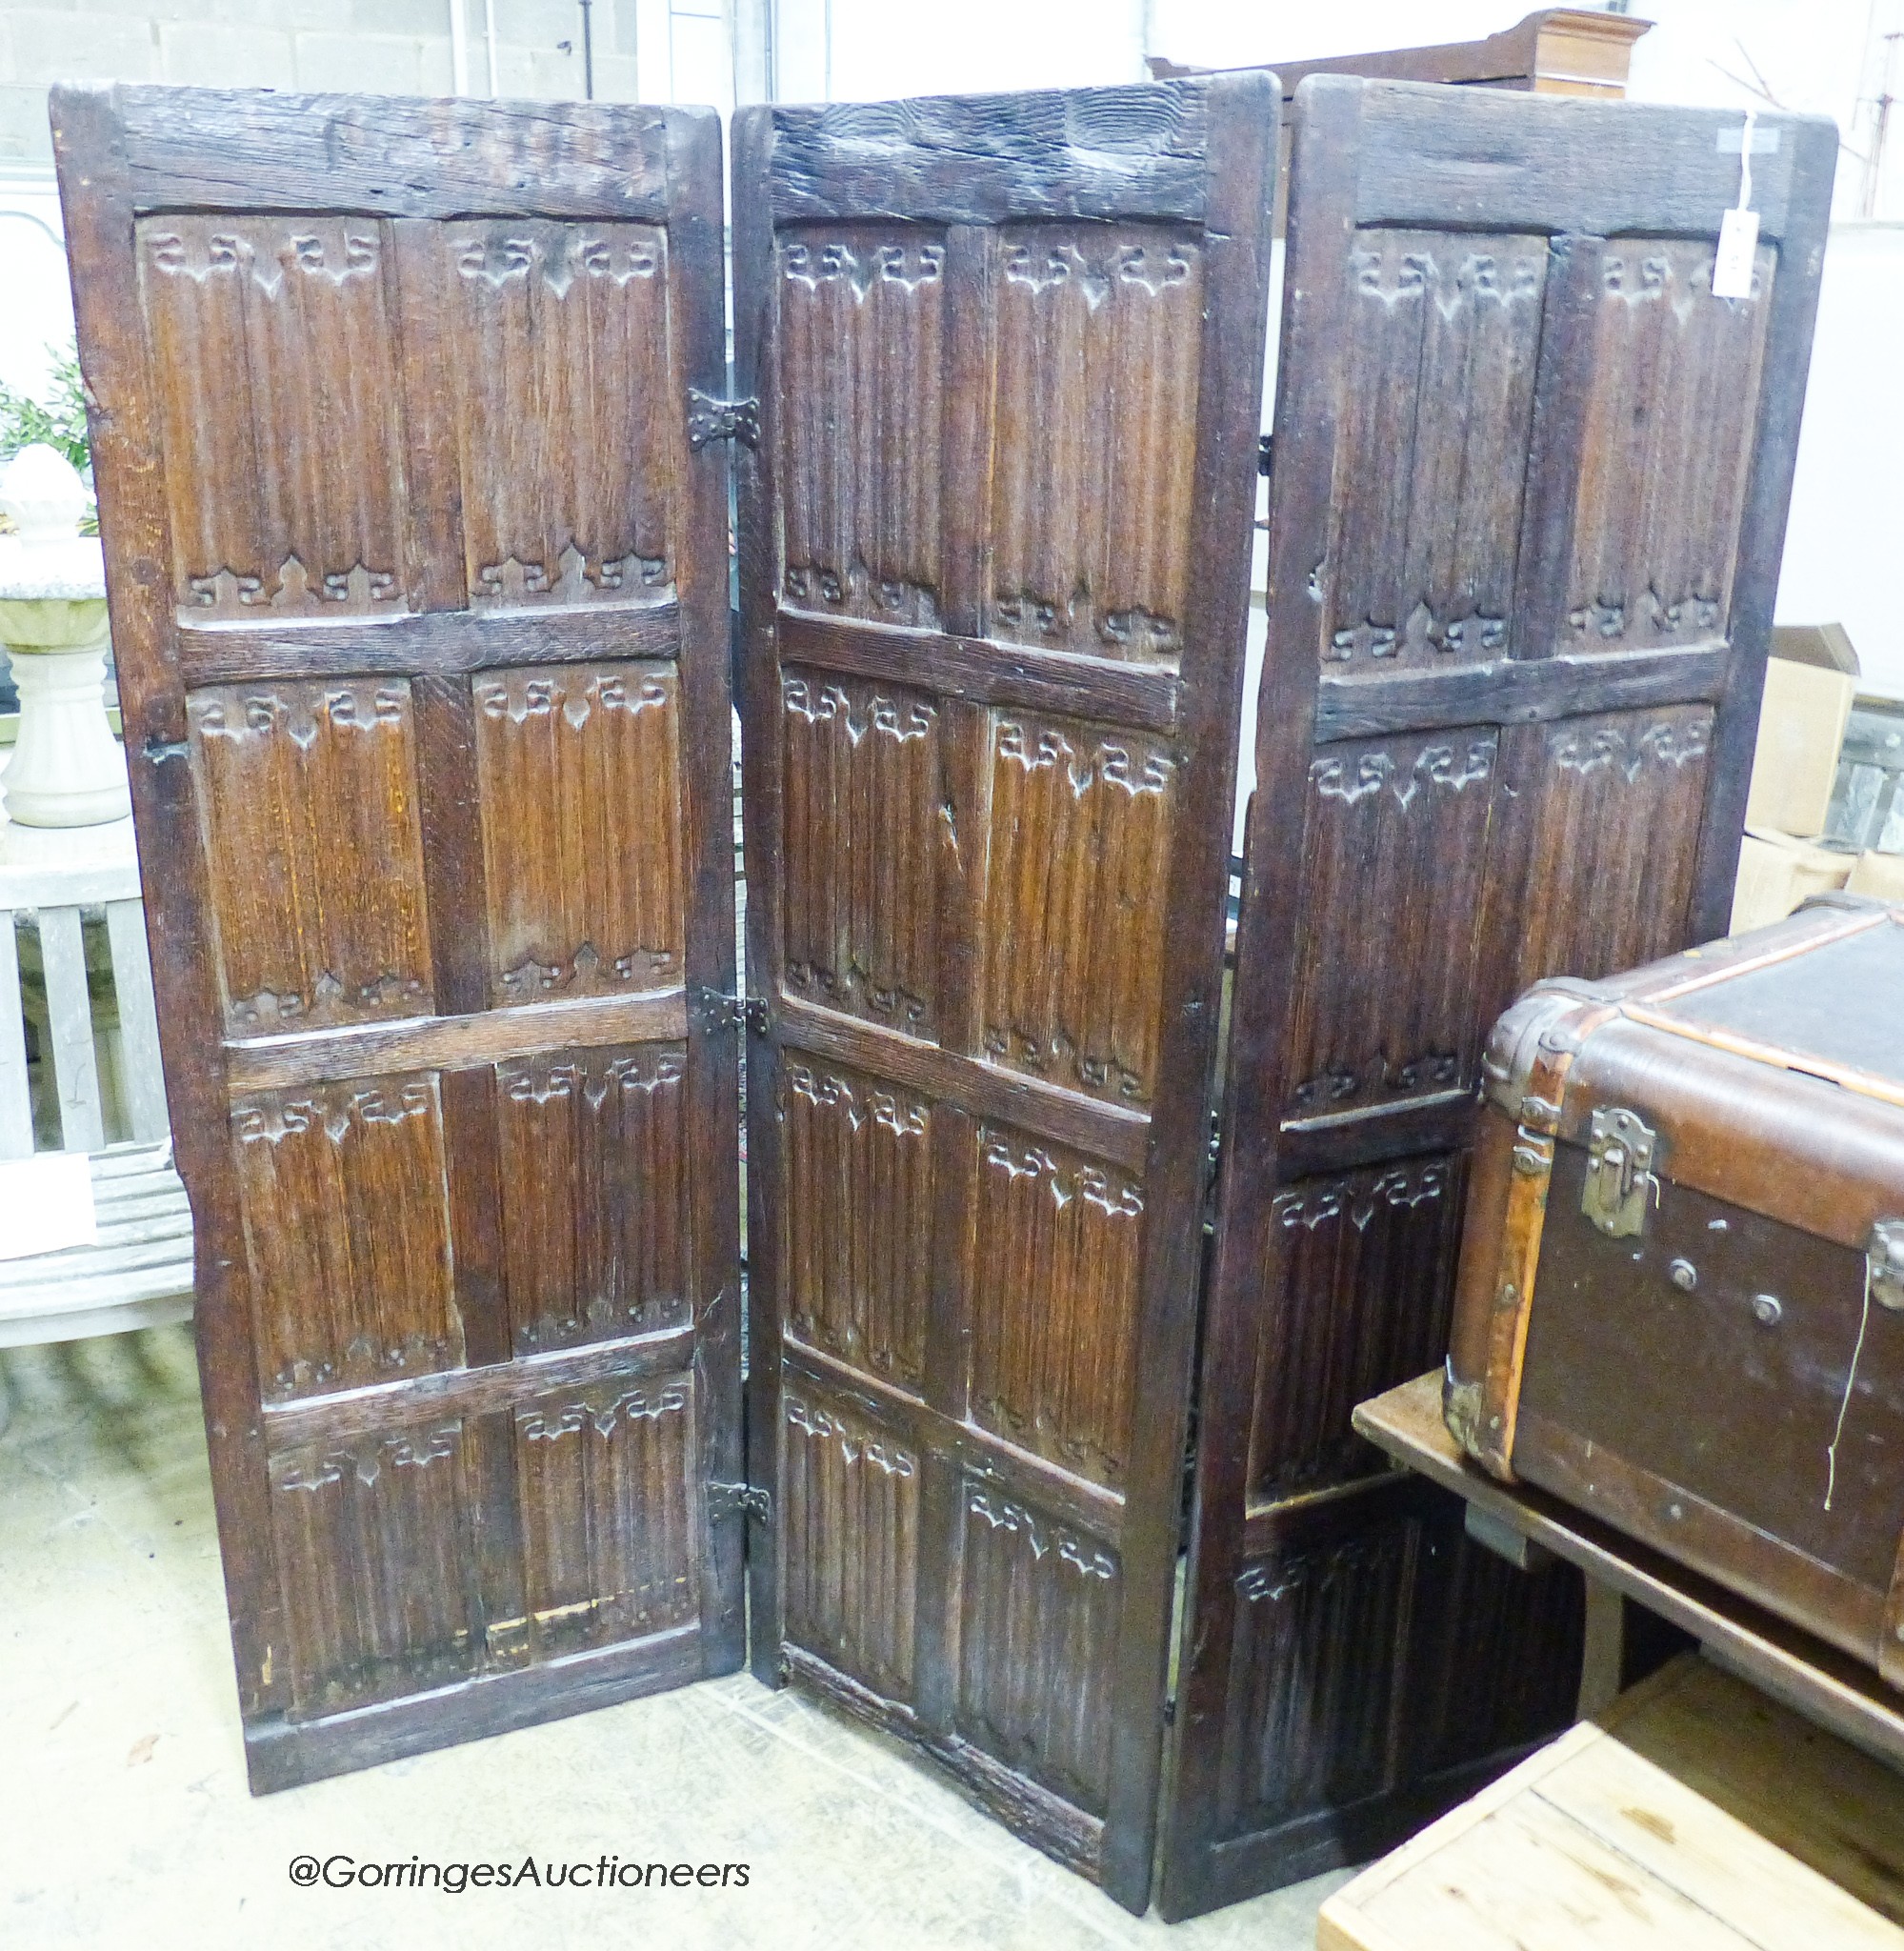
(578,768)
(861,804)
(376,1564)
(1037,1629)
(1438,400)
(1081,827)
(1476,1689)
(343,1199)
(271,343)
(1292,1741)
(1053,1303)
(1095,437)
(861,403)
(1670,425)
(558,354)
(594,1194)
(606,1478)
(1610,806)
(1357,1299)
(308,794)
(849,1517)
(857,1218)
(1393,873)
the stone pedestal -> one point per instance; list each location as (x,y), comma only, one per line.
(66,769)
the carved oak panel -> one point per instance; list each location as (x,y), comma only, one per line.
(1096,417)
(609,1518)
(309,807)
(1668,450)
(864,800)
(858,1219)
(556,344)
(1082,824)
(347,1231)
(1443,331)
(1386,1007)
(375,1550)
(1297,1742)
(862,388)
(851,1503)
(993,586)
(1524,511)
(1611,806)
(581,829)
(270,340)
(420,602)
(595,1204)
(1039,1613)
(1361,1281)
(1055,1282)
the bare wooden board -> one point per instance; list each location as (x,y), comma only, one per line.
(1694,1813)
(1822,1683)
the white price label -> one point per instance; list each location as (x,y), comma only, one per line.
(1738,244)
(1738,227)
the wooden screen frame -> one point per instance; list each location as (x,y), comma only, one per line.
(872,160)
(1370,153)
(126,152)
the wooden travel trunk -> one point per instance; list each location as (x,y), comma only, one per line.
(1681,1301)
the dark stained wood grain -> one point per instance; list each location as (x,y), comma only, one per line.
(444,642)
(426,684)
(1514,602)
(263,1063)
(1515,690)
(994,582)
(125,419)
(988,672)
(1603,172)
(1102,154)
(239,150)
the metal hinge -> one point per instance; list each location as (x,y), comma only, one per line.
(159,749)
(1886,1262)
(719,1010)
(1621,1148)
(732,1499)
(711,419)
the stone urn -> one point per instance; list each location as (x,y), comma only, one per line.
(67,770)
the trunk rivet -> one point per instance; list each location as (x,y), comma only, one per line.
(1766,1309)
(1684,1276)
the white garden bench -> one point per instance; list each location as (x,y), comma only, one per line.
(79,1072)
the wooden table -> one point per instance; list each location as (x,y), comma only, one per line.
(1694,1814)
(1820,1683)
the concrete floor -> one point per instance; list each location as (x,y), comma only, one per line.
(124,1816)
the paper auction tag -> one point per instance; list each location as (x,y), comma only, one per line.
(1738,227)
(46,1203)
(1738,245)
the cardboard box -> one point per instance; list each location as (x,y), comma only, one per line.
(1801,726)
(1827,644)
(1879,875)
(1776,873)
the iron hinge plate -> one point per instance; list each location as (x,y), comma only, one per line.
(1886,1261)
(1621,1151)
(715,419)
(719,1010)
(734,1499)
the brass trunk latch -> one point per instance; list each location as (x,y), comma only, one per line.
(1886,1261)
(1620,1151)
